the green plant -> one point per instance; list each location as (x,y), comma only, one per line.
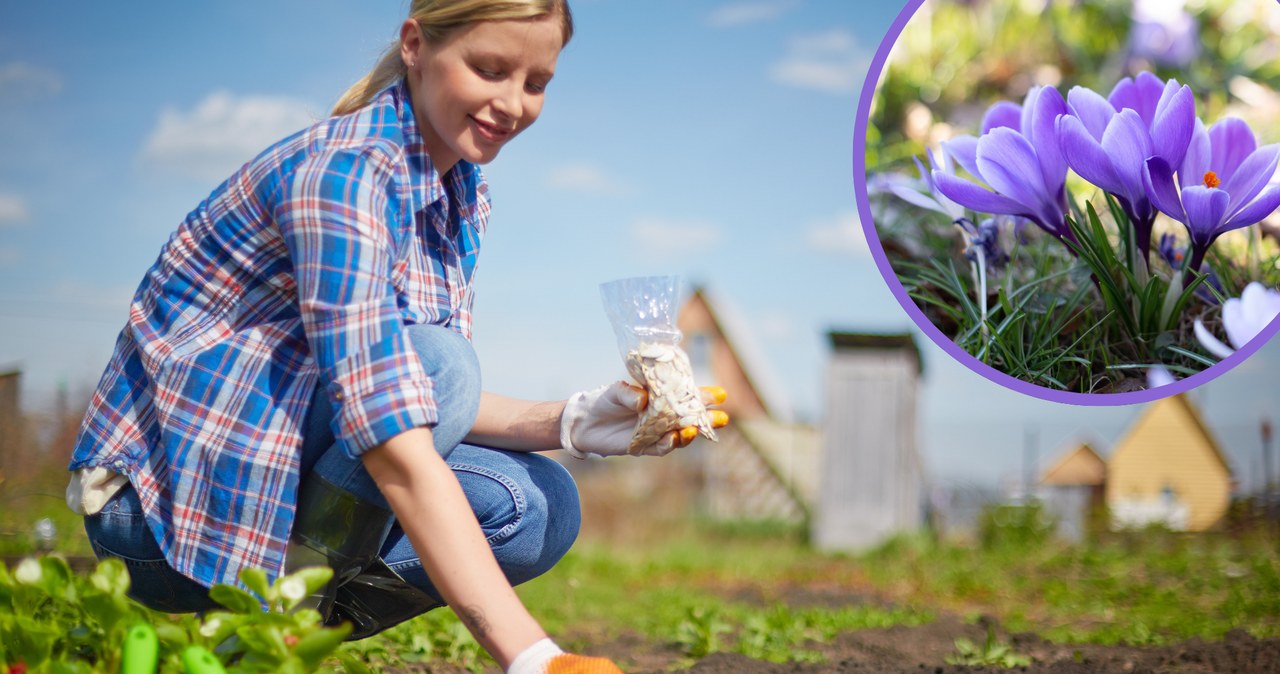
(52,620)
(991,653)
(698,634)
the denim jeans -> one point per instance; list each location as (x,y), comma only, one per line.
(527,504)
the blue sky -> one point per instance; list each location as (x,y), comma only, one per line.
(709,139)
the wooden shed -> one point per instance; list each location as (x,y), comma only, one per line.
(1168,469)
(1073,489)
(871,478)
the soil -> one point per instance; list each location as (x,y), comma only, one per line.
(924,650)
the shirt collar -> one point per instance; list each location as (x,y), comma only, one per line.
(428,187)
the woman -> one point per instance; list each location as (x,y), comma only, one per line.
(295,380)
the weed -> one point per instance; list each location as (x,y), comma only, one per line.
(991,653)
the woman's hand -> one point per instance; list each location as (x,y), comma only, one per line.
(545,657)
(603,420)
(432,509)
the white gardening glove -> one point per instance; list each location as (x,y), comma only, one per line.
(601,422)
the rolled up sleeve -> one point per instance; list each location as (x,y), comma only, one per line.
(338,216)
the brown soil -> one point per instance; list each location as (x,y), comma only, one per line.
(924,650)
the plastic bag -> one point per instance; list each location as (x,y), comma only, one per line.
(643,313)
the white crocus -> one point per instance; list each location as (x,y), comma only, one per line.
(1243,318)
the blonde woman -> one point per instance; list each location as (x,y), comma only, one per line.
(295,383)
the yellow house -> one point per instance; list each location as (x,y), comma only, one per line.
(1167,469)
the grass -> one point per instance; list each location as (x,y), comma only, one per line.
(760,590)
(707,590)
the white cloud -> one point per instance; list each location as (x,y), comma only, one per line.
(742,13)
(23,81)
(830,61)
(671,236)
(841,234)
(13,210)
(585,178)
(221,133)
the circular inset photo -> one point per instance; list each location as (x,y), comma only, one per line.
(1078,198)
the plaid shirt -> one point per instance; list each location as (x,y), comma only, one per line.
(301,268)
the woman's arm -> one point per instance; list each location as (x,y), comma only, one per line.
(429,503)
(517,425)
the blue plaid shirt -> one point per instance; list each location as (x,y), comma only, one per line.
(303,267)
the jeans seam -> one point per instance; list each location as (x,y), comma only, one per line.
(496,537)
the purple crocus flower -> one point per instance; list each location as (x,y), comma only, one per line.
(1018,156)
(1108,141)
(933,200)
(1225,184)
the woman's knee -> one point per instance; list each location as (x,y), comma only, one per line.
(450,362)
(529,510)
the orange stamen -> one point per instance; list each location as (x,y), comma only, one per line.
(1211,179)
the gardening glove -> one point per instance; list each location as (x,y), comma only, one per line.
(602,421)
(545,657)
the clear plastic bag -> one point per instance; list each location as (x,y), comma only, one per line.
(643,312)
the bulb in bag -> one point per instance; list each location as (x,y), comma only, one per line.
(643,314)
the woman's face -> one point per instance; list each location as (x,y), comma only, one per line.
(480,86)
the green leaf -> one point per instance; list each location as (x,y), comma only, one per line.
(235,599)
(315,647)
(256,580)
(315,577)
(110,577)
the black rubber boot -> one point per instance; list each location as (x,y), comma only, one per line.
(334,528)
(378,598)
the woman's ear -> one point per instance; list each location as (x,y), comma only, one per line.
(410,43)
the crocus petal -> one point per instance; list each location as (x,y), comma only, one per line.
(1043,136)
(1159,376)
(1253,175)
(1028,107)
(1232,142)
(1265,204)
(1009,165)
(916,198)
(1129,146)
(1092,109)
(1157,179)
(1141,95)
(1211,343)
(1206,209)
(1198,159)
(1004,113)
(970,195)
(964,150)
(1085,155)
(1246,317)
(1174,123)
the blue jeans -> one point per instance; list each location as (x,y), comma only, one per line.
(527,504)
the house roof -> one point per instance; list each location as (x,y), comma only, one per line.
(1183,404)
(1079,466)
(737,337)
(867,340)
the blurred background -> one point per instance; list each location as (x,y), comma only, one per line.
(705,139)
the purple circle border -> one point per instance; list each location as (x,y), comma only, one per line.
(947,345)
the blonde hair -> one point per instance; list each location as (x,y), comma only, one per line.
(437,19)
